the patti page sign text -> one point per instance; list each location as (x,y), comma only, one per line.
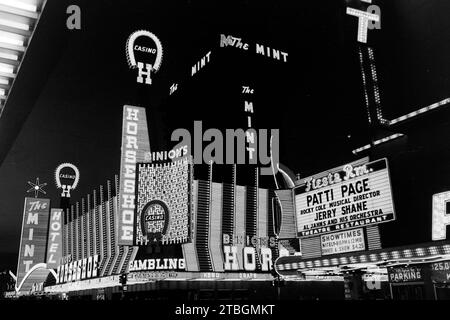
(350,198)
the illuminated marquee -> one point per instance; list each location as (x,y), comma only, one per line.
(144,68)
(164,202)
(350,198)
(289,265)
(135,146)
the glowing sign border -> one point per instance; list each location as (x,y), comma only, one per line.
(68,165)
(390,216)
(403,255)
(130,51)
(166,216)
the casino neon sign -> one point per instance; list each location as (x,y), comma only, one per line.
(67,177)
(144,69)
(248,248)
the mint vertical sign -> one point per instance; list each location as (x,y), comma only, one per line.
(33,241)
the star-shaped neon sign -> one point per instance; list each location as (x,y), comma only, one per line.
(36,187)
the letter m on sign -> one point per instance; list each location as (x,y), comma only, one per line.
(225,41)
(441,215)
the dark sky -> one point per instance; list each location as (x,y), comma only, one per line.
(315,99)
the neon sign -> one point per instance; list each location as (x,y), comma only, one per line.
(144,69)
(441,217)
(363,21)
(65,179)
(135,145)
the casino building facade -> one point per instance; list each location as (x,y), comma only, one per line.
(160,229)
(232,241)
(205,237)
(328,237)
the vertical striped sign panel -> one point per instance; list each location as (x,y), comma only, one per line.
(189,249)
(288,225)
(33,240)
(373,237)
(239,222)
(135,145)
(215,228)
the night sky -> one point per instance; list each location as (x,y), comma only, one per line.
(315,99)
